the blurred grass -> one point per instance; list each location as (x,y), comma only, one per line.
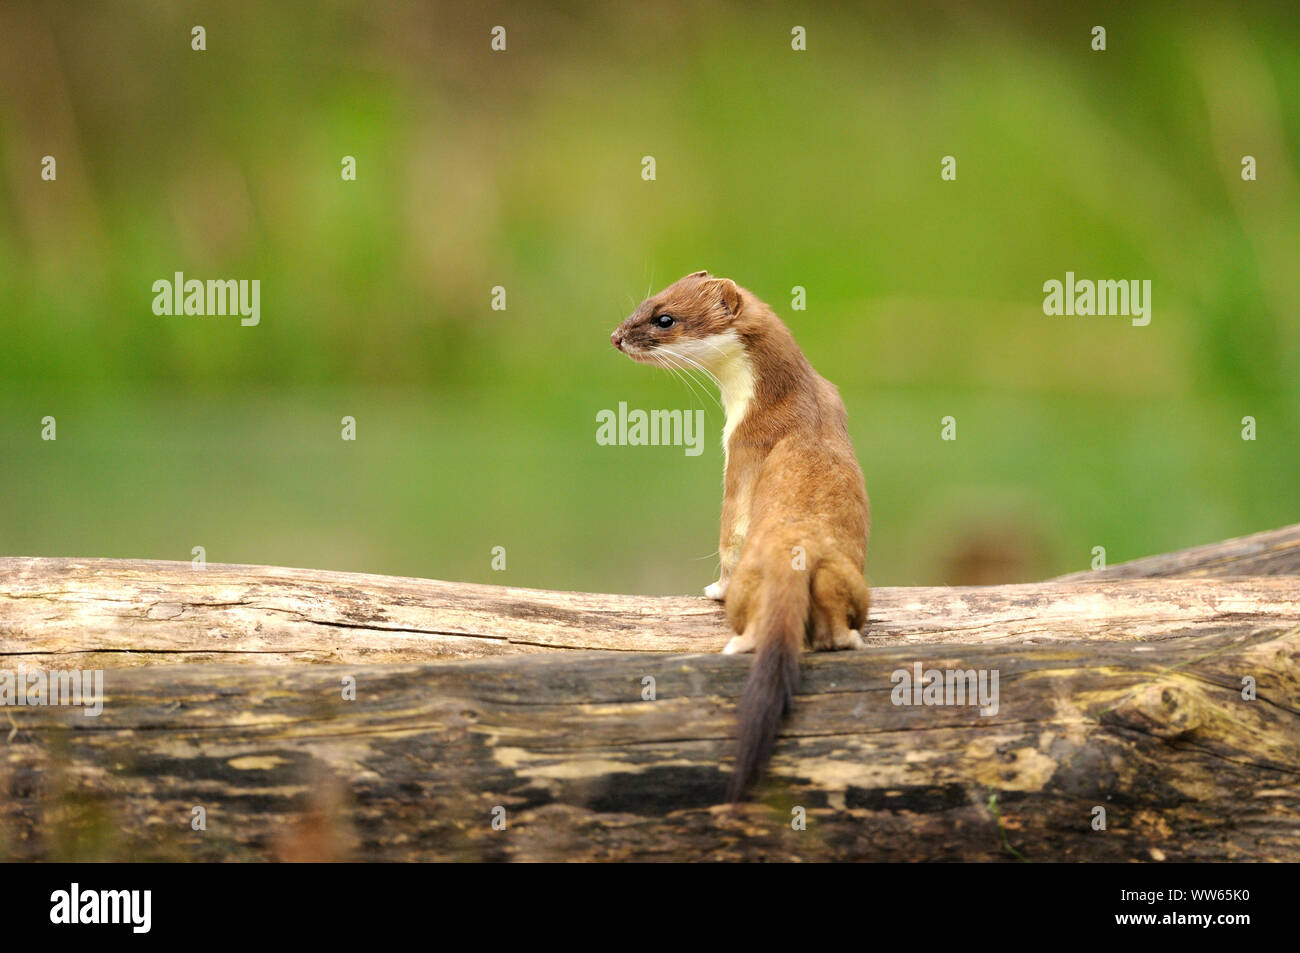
(821,169)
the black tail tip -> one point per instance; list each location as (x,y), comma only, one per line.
(739,790)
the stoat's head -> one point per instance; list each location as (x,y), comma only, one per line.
(691,324)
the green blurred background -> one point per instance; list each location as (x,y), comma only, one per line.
(476,428)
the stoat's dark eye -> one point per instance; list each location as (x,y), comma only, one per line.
(665,321)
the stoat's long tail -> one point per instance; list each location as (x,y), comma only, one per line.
(773,678)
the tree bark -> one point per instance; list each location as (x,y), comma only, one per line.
(580,765)
(1173,704)
(1274,552)
(116,613)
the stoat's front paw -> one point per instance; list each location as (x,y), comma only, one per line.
(716,590)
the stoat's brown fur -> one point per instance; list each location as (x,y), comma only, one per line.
(795,515)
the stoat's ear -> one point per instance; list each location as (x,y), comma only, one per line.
(698,274)
(730,294)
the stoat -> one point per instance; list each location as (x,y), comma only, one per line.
(795,515)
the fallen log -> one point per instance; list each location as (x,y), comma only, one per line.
(110,613)
(1135,719)
(1275,552)
(570,755)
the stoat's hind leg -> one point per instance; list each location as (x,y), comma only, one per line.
(836,609)
(819,628)
(843,637)
(831,632)
(859,601)
(745,642)
(742,593)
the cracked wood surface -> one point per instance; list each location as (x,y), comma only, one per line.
(1158,734)
(1114,692)
(112,613)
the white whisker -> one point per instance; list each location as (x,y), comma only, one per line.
(679,374)
(696,365)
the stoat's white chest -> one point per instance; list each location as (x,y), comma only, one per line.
(736,383)
(723,355)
